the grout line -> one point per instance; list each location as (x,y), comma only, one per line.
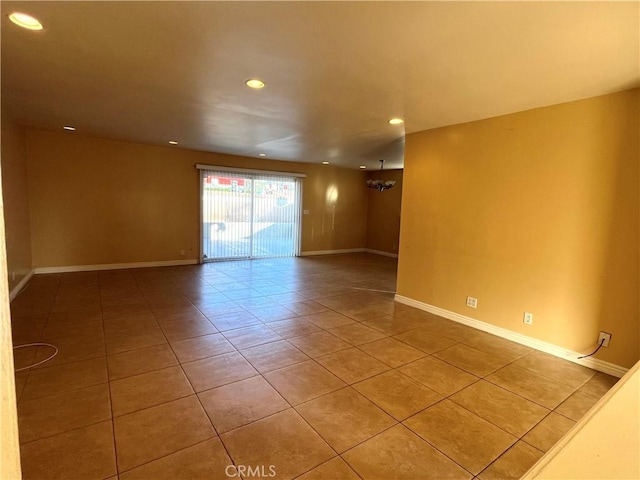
(113,424)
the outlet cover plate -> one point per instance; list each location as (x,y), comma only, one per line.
(606,336)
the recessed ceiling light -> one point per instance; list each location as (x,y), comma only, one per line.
(71,129)
(25,21)
(325,163)
(396,121)
(262,154)
(172,142)
(363,166)
(255,83)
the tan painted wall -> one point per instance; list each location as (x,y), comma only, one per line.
(535,211)
(383,214)
(16,202)
(97,201)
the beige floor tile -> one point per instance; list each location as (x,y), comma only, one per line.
(125,309)
(599,384)
(48,416)
(328,319)
(237,404)
(214,310)
(272,356)
(397,394)
(293,328)
(233,320)
(391,325)
(439,376)
(86,452)
(148,389)
(205,461)
(531,385)
(73,349)
(140,361)
(352,365)
(182,329)
(555,368)
(577,405)
(25,357)
(205,346)
(357,334)
(152,433)
(289,297)
(464,437)
(392,352)
(425,340)
(507,410)
(180,314)
(251,336)
(219,370)
(48,381)
(400,454)
(133,323)
(122,297)
(513,464)
(27,329)
(122,341)
(21,381)
(282,441)
(318,344)
(547,433)
(272,313)
(367,311)
(334,469)
(345,418)
(340,302)
(306,307)
(471,360)
(71,304)
(78,316)
(496,346)
(292,298)
(303,381)
(57,332)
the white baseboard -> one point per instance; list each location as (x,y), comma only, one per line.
(348,250)
(596,364)
(331,252)
(380,252)
(113,266)
(23,283)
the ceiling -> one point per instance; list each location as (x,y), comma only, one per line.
(335,72)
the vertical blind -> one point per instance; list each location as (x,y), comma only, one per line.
(250,215)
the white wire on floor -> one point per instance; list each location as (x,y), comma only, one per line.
(37,345)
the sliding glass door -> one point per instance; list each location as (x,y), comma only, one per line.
(249,215)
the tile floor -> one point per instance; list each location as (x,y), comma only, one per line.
(293,367)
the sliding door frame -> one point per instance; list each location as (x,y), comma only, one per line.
(251,172)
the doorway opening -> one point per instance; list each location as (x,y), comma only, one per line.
(249,215)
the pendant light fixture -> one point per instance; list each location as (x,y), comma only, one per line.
(381,185)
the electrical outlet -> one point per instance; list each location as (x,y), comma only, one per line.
(182,252)
(528,318)
(606,337)
(472,302)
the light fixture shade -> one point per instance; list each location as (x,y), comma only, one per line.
(381,184)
